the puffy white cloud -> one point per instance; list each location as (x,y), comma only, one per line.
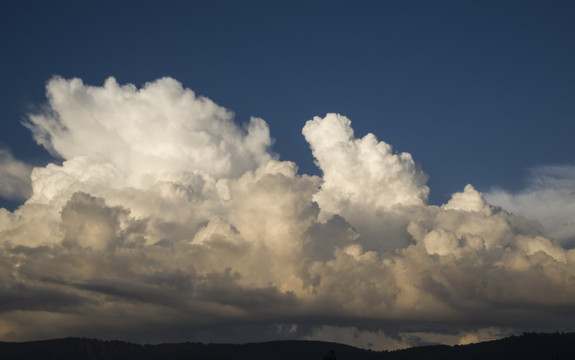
(469,200)
(363,179)
(160,128)
(168,222)
(361,172)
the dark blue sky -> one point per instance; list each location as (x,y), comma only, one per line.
(477,91)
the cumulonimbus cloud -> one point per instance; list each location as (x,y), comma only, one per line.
(168,221)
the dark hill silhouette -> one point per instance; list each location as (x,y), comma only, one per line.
(526,347)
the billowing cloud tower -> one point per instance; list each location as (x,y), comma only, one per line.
(167,221)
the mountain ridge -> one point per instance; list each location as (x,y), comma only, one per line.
(527,346)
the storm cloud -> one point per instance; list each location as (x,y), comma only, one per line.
(168,221)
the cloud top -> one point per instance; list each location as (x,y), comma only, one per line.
(364,172)
(159,128)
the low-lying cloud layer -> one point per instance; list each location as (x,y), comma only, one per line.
(166,221)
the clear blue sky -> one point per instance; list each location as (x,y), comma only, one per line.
(476,91)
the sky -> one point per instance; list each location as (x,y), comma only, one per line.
(383,174)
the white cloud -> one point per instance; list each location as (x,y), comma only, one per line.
(168,222)
(363,180)
(469,200)
(548,199)
(361,172)
(160,128)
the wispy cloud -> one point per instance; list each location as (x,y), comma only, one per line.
(14,177)
(548,199)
